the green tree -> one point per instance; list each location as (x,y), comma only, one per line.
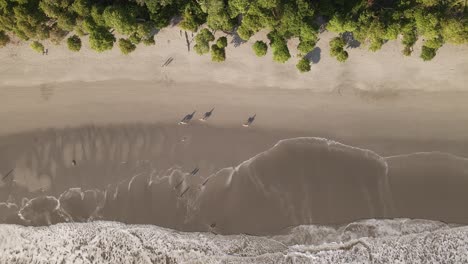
(455,31)
(37,46)
(192,18)
(306,46)
(337,49)
(342,56)
(222,42)
(427,53)
(121,18)
(81,7)
(134,38)
(149,41)
(74,43)
(217,54)
(101,39)
(126,46)
(202,40)
(303,65)
(4,39)
(202,48)
(260,48)
(279,46)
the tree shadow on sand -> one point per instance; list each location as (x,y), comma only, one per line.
(236,40)
(314,55)
(350,41)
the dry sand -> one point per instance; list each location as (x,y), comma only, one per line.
(386,69)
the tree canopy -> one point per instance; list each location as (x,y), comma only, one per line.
(4,39)
(126,46)
(74,43)
(218,54)
(37,46)
(372,22)
(303,65)
(260,48)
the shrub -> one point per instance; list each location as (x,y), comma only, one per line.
(134,38)
(222,42)
(427,53)
(4,39)
(37,46)
(342,56)
(260,48)
(306,46)
(126,46)
(303,65)
(149,41)
(101,39)
(74,43)
(202,48)
(217,54)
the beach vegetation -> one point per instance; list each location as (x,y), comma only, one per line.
(371,23)
(303,65)
(37,46)
(222,42)
(101,39)
(260,48)
(74,43)
(126,46)
(4,39)
(217,54)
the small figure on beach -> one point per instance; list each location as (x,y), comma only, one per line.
(8,174)
(182,194)
(45,52)
(74,162)
(249,121)
(207,115)
(187,118)
(195,171)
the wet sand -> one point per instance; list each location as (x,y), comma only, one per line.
(118,130)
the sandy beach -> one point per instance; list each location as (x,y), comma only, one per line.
(116,116)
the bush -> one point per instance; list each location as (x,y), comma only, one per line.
(260,48)
(217,54)
(279,46)
(342,56)
(101,39)
(303,65)
(126,46)
(306,46)
(204,36)
(4,39)
(149,41)
(202,40)
(202,48)
(222,42)
(37,46)
(427,53)
(74,43)
(281,53)
(337,49)
(407,51)
(135,39)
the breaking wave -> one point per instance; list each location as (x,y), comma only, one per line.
(369,241)
(298,181)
